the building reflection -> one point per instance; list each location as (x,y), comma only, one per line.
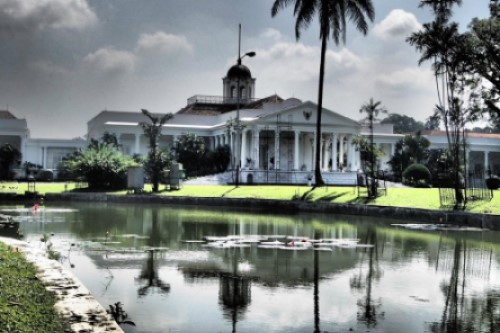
(464,258)
(149,278)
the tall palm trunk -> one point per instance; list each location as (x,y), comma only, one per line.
(317,167)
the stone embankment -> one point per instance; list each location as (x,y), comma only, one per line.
(78,308)
(458,218)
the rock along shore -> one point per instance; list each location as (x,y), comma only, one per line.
(74,303)
(458,218)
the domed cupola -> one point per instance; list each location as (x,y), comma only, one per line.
(238,76)
(239,71)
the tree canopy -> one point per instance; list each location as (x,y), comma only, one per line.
(403,124)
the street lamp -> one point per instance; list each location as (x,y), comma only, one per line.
(238,126)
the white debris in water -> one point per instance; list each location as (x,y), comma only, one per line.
(435,227)
(78,308)
(290,242)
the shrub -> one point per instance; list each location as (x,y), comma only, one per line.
(416,174)
(45,175)
(493,183)
(101,165)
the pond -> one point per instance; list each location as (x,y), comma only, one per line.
(175,269)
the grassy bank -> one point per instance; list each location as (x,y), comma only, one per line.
(25,305)
(396,197)
(427,198)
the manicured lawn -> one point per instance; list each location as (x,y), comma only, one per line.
(398,197)
(25,305)
(40,187)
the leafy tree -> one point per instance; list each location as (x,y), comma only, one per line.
(366,153)
(432,122)
(440,42)
(411,149)
(8,156)
(221,158)
(403,124)
(102,165)
(333,16)
(372,110)
(157,159)
(106,138)
(191,152)
(483,41)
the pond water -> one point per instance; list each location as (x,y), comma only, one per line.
(367,275)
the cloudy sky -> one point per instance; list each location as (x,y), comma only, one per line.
(64,61)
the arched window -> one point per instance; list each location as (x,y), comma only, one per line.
(233,92)
(243,92)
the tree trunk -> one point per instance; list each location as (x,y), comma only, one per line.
(317,164)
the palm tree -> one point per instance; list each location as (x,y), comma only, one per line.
(333,16)
(441,43)
(372,110)
(153,131)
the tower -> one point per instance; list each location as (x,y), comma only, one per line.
(238,85)
(246,84)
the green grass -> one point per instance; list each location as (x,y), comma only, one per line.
(25,305)
(396,197)
(40,187)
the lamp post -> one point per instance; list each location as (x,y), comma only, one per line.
(237,125)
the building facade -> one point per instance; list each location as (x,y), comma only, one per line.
(273,137)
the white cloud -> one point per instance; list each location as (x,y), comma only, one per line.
(272,33)
(405,80)
(47,69)
(27,15)
(164,43)
(111,61)
(397,25)
(299,62)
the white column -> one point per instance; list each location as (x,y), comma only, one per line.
(256,148)
(296,150)
(44,157)
(486,160)
(467,161)
(324,149)
(341,149)
(313,154)
(334,151)
(276,149)
(243,157)
(350,162)
(137,138)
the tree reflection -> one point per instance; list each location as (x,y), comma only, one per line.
(368,307)
(463,313)
(316,293)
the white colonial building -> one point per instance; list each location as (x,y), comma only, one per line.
(45,153)
(277,139)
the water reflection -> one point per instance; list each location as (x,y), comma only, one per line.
(463,312)
(368,312)
(416,280)
(149,278)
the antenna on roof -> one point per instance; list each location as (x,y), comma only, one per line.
(239,44)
